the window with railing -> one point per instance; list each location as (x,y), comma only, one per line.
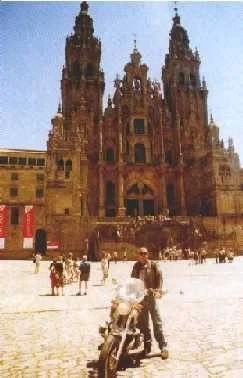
(139,126)
(13,160)
(140,155)
(3,160)
(110,156)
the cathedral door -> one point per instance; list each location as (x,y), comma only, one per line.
(148,207)
(140,201)
(132,207)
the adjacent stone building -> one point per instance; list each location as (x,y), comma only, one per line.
(152,150)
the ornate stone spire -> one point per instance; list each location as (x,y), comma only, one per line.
(135,56)
(176,18)
(84,7)
(179,41)
(83,22)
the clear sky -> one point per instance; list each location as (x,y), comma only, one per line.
(32,54)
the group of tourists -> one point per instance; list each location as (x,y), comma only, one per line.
(222,254)
(68,269)
(65,270)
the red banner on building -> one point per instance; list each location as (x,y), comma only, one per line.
(28,224)
(3,221)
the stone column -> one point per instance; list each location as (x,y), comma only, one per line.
(182,191)
(121,207)
(100,140)
(101,192)
(164,193)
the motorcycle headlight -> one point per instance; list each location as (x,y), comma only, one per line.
(123,308)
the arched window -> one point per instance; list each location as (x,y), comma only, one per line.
(147,190)
(60,165)
(168,157)
(133,190)
(68,168)
(140,155)
(110,156)
(138,126)
(227,171)
(76,70)
(110,193)
(90,70)
(181,78)
(192,80)
(137,83)
(224,171)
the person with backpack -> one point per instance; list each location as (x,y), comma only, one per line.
(84,269)
(150,273)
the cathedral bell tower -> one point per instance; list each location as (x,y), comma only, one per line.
(82,77)
(186,103)
(185,94)
(72,147)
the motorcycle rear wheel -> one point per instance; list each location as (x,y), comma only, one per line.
(108,363)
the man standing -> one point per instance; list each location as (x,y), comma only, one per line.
(84,268)
(149,272)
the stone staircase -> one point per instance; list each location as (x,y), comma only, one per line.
(120,247)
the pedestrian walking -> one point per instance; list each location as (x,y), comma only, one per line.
(53,276)
(59,269)
(75,269)
(84,269)
(104,267)
(37,262)
(69,268)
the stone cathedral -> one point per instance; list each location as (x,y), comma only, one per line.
(153,151)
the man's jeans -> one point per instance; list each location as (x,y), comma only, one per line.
(150,306)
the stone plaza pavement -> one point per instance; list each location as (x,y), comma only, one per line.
(45,336)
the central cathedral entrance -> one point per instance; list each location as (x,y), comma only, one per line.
(140,201)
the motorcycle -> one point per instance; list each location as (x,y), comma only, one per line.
(122,338)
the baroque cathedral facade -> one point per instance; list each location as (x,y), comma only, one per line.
(151,151)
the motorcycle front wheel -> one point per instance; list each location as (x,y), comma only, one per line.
(107,360)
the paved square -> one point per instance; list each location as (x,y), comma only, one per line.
(45,336)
